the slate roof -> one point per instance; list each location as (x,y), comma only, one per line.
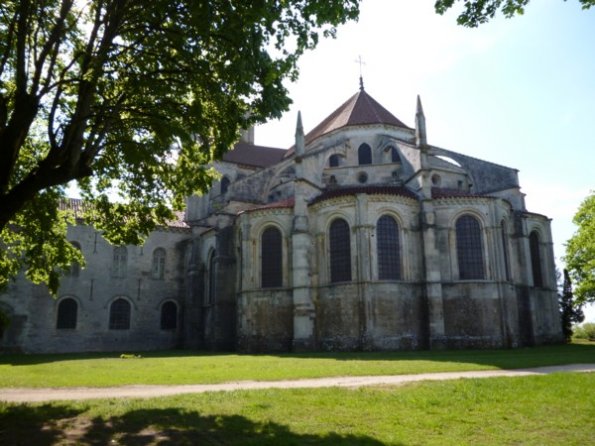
(359,109)
(287,203)
(442,192)
(253,155)
(376,190)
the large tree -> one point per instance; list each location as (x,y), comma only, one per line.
(135,98)
(580,252)
(476,12)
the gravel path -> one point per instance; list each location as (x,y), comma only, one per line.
(29,395)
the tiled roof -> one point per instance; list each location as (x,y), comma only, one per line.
(371,190)
(253,155)
(442,192)
(288,203)
(359,109)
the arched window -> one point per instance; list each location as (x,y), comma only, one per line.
(75,267)
(224,185)
(158,269)
(119,262)
(364,154)
(67,313)
(469,248)
(504,237)
(119,315)
(388,248)
(169,316)
(535,259)
(394,155)
(340,251)
(333,160)
(212,279)
(271,256)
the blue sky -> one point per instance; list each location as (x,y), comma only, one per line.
(518,92)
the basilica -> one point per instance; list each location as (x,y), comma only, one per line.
(361,236)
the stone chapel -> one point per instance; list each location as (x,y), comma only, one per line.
(361,236)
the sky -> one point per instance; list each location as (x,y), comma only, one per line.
(518,92)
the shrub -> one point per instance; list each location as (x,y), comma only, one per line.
(585,331)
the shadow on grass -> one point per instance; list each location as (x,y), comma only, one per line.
(54,424)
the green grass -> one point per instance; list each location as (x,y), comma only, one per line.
(172,367)
(556,409)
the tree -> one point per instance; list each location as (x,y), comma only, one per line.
(580,252)
(570,312)
(476,12)
(134,97)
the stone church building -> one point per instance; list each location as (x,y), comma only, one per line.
(362,236)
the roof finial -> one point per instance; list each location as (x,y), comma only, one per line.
(300,143)
(361,78)
(421,138)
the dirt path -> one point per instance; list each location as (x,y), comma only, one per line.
(20,395)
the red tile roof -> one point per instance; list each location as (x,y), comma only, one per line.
(253,155)
(288,203)
(371,190)
(359,109)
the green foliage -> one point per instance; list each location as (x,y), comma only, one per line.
(135,101)
(585,331)
(570,313)
(476,12)
(580,252)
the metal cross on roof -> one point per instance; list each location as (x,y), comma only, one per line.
(361,79)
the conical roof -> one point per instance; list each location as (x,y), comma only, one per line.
(359,109)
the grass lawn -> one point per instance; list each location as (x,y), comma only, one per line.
(556,409)
(183,367)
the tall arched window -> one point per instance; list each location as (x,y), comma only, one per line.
(67,313)
(504,237)
(158,268)
(388,248)
(224,185)
(333,160)
(119,315)
(364,154)
(169,316)
(212,279)
(394,155)
(75,267)
(340,251)
(469,248)
(271,256)
(535,259)
(119,262)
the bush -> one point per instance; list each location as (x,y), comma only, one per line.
(585,331)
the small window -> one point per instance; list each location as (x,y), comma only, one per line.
(75,267)
(389,250)
(119,262)
(469,248)
(158,268)
(67,314)
(340,251)
(535,259)
(362,177)
(119,315)
(271,250)
(333,161)
(169,316)
(364,154)
(394,155)
(224,185)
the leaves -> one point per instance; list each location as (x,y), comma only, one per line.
(134,101)
(580,252)
(477,12)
